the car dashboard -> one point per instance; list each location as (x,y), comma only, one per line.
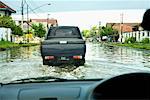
(126,86)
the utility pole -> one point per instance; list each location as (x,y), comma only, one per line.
(27,23)
(27,19)
(121,26)
(48,21)
(22,4)
(99,25)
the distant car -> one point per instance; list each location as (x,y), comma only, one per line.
(104,38)
(63,45)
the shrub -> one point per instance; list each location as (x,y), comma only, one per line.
(2,39)
(146,40)
(130,40)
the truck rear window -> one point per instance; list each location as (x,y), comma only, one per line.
(64,32)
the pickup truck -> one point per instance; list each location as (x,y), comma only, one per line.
(63,45)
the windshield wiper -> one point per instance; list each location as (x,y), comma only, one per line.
(38,79)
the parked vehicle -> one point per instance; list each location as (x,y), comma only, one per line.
(63,45)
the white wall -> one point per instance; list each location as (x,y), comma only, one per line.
(2,13)
(140,35)
(5,33)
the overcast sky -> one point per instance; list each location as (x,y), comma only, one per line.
(83,13)
(79,5)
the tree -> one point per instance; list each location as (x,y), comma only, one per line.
(16,30)
(7,22)
(110,32)
(39,30)
(86,33)
(93,31)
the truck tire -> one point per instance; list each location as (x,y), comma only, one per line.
(81,63)
(45,62)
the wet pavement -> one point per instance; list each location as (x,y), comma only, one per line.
(101,61)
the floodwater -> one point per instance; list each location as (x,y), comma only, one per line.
(101,61)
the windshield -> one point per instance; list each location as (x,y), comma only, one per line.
(115,40)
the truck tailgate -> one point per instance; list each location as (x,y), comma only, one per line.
(63,49)
(68,41)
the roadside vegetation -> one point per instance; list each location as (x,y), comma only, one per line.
(131,42)
(101,33)
(133,45)
(36,30)
(7,22)
(112,38)
(7,45)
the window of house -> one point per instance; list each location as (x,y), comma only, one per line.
(143,33)
(148,34)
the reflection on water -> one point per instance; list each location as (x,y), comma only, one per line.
(101,61)
(18,53)
(110,55)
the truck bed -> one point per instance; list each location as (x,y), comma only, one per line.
(55,48)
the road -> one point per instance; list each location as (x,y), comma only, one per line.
(101,62)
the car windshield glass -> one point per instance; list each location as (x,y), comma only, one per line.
(73,39)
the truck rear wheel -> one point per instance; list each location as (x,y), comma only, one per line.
(80,63)
(45,62)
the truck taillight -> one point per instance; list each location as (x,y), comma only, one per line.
(77,57)
(49,57)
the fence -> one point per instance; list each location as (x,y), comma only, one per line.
(139,35)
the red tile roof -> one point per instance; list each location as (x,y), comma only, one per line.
(125,28)
(50,21)
(5,7)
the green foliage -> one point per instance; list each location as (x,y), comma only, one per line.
(130,40)
(93,31)
(86,33)
(2,39)
(39,30)
(107,31)
(16,30)
(6,44)
(145,40)
(133,45)
(100,32)
(7,22)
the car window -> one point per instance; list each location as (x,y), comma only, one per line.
(85,39)
(64,32)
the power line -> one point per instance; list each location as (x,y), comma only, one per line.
(31,9)
(22,14)
(34,5)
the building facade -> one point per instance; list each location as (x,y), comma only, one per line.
(5,9)
(5,33)
(46,22)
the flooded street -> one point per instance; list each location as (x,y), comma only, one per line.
(101,61)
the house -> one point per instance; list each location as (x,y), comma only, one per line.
(5,33)
(125,27)
(5,9)
(130,30)
(46,22)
